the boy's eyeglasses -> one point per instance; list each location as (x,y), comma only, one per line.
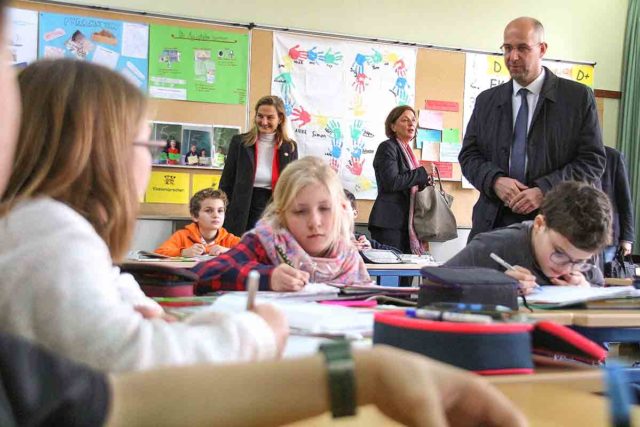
(563,260)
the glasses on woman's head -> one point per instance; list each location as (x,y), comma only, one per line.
(563,260)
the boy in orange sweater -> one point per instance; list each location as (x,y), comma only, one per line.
(205,236)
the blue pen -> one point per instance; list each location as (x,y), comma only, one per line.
(620,399)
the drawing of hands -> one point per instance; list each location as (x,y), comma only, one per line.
(376,58)
(355,165)
(312,55)
(335,151)
(358,106)
(288,105)
(358,64)
(356,131)
(334,164)
(295,54)
(360,83)
(330,57)
(301,115)
(336,132)
(321,121)
(400,68)
(286,80)
(391,58)
(399,89)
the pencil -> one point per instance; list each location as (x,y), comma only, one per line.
(253,281)
(283,255)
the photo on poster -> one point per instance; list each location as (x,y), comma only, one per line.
(196,145)
(117,45)
(221,138)
(171,134)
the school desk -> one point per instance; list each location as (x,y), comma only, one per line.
(389,273)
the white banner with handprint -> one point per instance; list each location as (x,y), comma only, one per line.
(337,94)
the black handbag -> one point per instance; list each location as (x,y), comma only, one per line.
(619,267)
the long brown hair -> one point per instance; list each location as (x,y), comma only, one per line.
(79,121)
(282,135)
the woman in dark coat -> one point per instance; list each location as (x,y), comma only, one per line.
(398,176)
(254,162)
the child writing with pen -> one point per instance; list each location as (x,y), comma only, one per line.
(206,235)
(304,234)
(555,248)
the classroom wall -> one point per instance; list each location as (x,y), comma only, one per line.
(589,30)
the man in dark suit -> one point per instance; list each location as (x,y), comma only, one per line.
(615,183)
(528,134)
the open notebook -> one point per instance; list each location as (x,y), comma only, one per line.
(306,316)
(561,296)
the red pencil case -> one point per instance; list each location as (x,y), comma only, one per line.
(487,349)
(162,281)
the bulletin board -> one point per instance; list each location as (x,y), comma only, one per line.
(439,76)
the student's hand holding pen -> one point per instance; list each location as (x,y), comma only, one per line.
(525,277)
(362,243)
(195,250)
(285,278)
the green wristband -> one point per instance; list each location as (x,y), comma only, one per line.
(342,383)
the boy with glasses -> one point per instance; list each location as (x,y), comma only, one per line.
(556,247)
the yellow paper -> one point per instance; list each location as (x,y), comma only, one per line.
(495,65)
(202,181)
(583,74)
(168,187)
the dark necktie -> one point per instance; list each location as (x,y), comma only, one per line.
(519,148)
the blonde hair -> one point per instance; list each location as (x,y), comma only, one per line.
(79,121)
(282,135)
(299,175)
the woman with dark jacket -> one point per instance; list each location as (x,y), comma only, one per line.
(254,162)
(399,176)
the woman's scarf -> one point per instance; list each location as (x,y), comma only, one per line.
(342,265)
(416,245)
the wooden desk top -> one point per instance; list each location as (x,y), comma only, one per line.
(590,318)
(553,400)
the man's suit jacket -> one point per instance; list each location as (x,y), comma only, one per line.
(565,142)
(615,183)
(238,177)
(394,178)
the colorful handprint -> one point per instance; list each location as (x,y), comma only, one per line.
(355,166)
(300,115)
(296,54)
(375,58)
(358,64)
(330,57)
(400,68)
(312,55)
(360,82)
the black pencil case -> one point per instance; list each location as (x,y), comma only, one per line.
(487,349)
(468,285)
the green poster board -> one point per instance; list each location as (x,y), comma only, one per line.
(198,65)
